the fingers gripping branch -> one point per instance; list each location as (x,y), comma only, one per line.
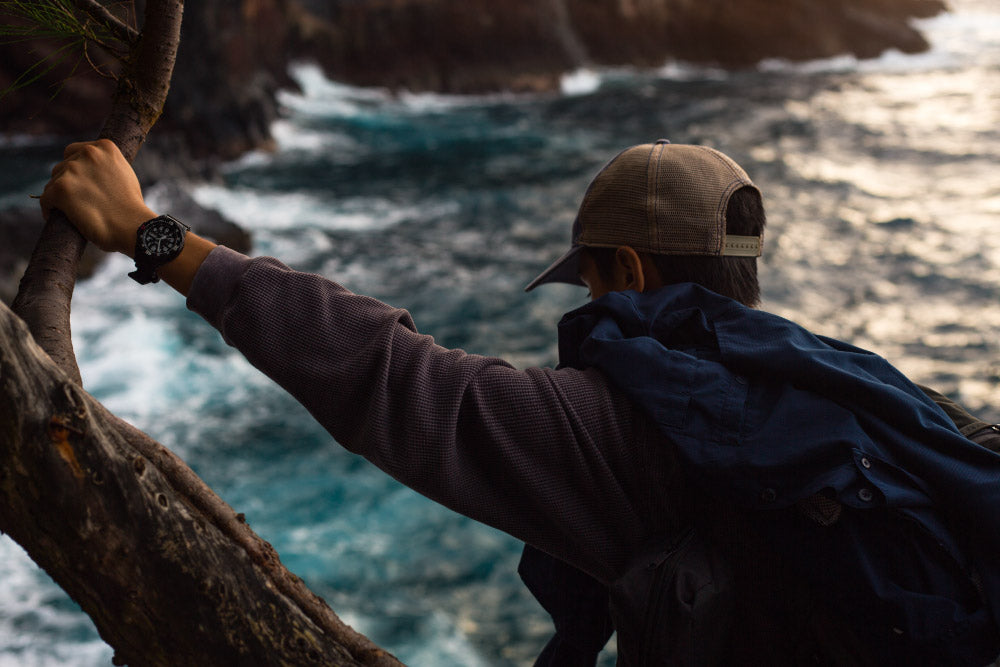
(45,292)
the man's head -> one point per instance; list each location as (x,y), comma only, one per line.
(675,213)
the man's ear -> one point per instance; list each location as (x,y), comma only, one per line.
(629,273)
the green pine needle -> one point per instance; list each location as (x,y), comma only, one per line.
(56,20)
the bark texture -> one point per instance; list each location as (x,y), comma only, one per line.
(169,573)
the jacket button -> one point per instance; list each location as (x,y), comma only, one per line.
(865,462)
(865,495)
(768,495)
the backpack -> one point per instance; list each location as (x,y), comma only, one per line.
(717,594)
(843,480)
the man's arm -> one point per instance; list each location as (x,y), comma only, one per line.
(541,454)
(536,453)
(98,191)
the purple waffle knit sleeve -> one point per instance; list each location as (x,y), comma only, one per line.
(542,454)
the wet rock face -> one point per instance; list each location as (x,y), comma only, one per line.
(456,46)
(20,227)
(235,55)
(481,45)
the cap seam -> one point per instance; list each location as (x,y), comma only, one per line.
(652,184)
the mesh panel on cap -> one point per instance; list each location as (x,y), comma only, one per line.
(693,187)
(613,211)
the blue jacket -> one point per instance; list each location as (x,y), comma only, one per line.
(766,414)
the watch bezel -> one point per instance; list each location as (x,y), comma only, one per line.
(142,235)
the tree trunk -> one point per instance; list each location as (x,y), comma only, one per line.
(168,572)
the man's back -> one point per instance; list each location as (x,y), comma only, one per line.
(842,478)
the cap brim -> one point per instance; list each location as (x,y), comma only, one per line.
(566,269)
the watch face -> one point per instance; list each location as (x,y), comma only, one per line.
(161,237)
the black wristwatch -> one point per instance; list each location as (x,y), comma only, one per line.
(157,241)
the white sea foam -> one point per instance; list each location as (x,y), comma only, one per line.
(8,140)
(295,136)
(580,82)
(409,102)
(326,98)
(676,70)
(262,211)
(39,626)
(320,95)
(451,647)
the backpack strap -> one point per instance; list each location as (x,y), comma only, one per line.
(988,437)
(973,428)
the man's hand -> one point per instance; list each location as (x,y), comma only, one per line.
(96,188)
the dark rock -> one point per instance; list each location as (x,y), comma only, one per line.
(742,34)
(20,227)
(233,57)
(206,222)
(467,46)
(61,103)
(472,46)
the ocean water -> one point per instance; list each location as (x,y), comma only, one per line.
(882,186)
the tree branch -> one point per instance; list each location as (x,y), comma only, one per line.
(169,573)
(100,13)
(46,289)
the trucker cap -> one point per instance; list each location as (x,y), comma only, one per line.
(661,198)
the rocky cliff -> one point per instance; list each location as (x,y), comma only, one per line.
(234,55)
(465,46)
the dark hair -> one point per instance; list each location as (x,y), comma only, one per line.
(735,277)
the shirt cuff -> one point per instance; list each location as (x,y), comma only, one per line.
(215,282)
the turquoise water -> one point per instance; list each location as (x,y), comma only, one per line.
(883,196)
